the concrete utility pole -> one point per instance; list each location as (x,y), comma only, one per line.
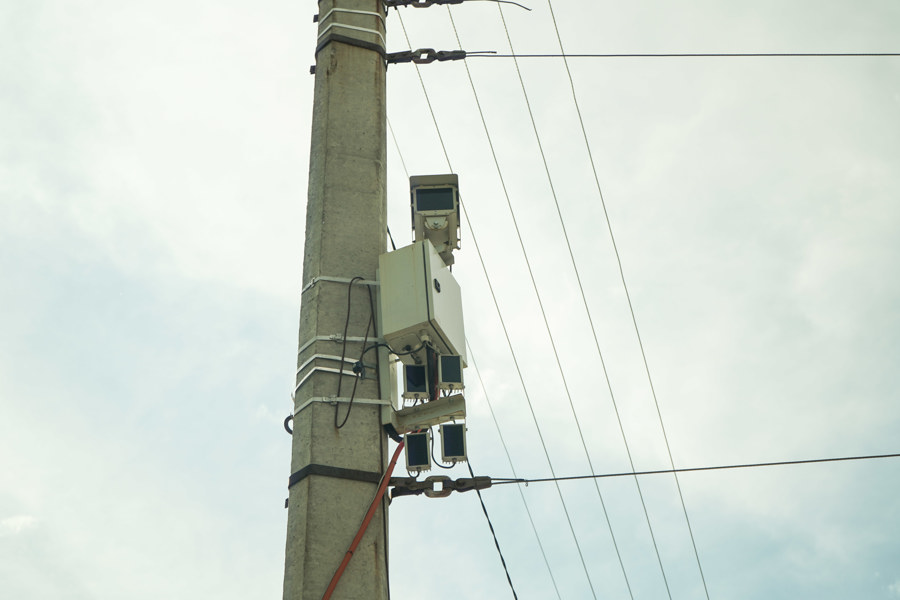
(334,471)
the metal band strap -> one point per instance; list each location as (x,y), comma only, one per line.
(334,401)
(345,280)
(349,11)
(336,37)
(336,472)
(331,26)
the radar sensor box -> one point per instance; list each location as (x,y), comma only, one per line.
(420,301)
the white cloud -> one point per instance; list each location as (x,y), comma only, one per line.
(16,524)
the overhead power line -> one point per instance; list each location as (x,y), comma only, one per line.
(540,301)
(494,534)
(511,466)
(697,55)
(478,252)
(501,481)
(636,329)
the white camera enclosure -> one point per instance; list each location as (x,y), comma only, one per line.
(434,202)
(420,303)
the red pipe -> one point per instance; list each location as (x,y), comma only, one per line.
(385,480)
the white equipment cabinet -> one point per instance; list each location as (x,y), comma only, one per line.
(420,300)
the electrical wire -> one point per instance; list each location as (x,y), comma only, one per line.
(513,468)
(493,534)
(630,308)
(359,368)
(344,340)
(428,3)
(355,382)
(501,2)
(699,55)
(374,321)
(501,481)
(392,351)
(397,146)
(425,92)
(478,374)
(647,55)
(434,458)
(496,303)
(391,238)
(541,302)
(581,287)
(497,306)
(405,170)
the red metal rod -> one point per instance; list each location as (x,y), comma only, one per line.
(385,480)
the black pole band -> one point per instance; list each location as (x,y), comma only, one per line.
(336,472)
(351,41)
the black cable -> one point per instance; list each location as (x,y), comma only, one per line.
(286,428)
(355,381)
(501,481)
(394,352)
(434,458)
(344,342)
(494,534)
(390,237)
(700,55)
(375,331)
(432,359)
(385,501)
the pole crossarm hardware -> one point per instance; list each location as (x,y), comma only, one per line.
(424,56)
(410,486)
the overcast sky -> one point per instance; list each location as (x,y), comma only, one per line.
(153,166)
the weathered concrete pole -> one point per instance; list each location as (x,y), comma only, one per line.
(332,467)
